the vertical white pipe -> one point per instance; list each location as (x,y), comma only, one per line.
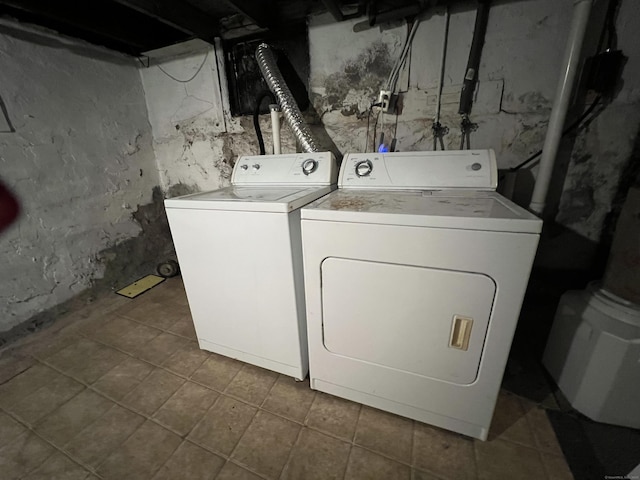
(275,127)
(581,11)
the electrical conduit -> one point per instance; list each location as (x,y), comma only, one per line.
(581,11)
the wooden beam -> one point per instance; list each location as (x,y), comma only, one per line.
(180,15)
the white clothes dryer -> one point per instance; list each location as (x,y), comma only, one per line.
(415,271)
(240,255)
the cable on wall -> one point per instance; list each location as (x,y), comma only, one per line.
(204,60)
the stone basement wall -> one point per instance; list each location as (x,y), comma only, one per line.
(82,164)
(196,142)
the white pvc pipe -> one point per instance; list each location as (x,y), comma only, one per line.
(581,11)
(275,128)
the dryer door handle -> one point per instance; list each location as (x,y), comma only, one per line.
(460,332)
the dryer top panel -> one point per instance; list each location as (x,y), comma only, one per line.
(469,169)
(457,209)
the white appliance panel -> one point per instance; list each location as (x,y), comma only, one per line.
(251,198)
(505,258)
(246,298)
(403,316)
(473,169)
(318,168)
(463,209)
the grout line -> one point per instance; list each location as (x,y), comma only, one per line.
(61,450)
(290,455)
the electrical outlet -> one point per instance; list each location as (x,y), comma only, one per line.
(384,99)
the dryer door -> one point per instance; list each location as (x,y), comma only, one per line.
(419,320)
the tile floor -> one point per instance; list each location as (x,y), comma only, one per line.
(119,389)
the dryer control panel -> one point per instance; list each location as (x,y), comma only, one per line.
(465,169)
(318,168)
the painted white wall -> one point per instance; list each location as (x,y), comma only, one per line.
(518,74)
(195,139)
(80,161)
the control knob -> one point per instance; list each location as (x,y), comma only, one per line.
(364,168)
(256,166)
(244,166)
(309,166)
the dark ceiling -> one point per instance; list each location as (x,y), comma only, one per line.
(137,26)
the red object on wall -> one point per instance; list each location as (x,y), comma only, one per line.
(9,207)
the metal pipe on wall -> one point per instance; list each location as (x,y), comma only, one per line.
(571,62)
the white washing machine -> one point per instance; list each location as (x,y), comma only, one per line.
(240,255)
(415,271)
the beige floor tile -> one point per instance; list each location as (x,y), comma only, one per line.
(223,425)
(190,462)
(44,344)
(366,465)
(86,360)
(123,378)
(93,368)
(186,360)
(46,399)
(500,459)
(184,327)
(217,371)
(334,415)
(72,417)
(159,315)
(252,384)
(556,467)
(112,328)
(186,407)
(420,475)
(137,339)
(142,454)
(9,429)
(154,390)
(13,364)
(58,467)
(290,398)
(543,433)
(509,421)
(317,456)
(443,453)
(266,444)
(74,355)
(23,455)
(386,433)
(92,445)
(25,383)
(231,471)
(161,347)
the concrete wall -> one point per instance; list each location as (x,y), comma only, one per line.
(518,74)
(81,163)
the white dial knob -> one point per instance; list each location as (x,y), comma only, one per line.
(309,166)
(364,168)
(256,166)
(244,166)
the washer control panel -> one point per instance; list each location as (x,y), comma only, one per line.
(470,169)
(318,168)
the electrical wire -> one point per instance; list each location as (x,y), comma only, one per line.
(366,140)
(256,117)
(204,60)
(567,130)
(393,76)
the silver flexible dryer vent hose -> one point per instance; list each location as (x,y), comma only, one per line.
(292,115)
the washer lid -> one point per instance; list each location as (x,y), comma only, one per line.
(459,209)
(252,199)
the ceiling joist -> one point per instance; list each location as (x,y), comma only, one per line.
(178,14)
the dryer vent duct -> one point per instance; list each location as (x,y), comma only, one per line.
(267,63)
